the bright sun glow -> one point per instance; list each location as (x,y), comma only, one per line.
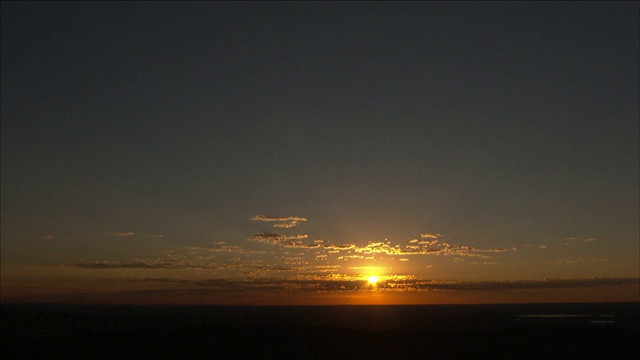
(372,280)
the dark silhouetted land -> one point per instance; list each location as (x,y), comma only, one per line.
(532,331)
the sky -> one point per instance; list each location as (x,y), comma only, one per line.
(284,153)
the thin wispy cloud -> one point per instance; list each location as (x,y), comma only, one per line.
(281,222)
(300,245)
(225,248)
(431,236)
(47,237)
(175,263)
(581,260)
(336,283)
(126,233)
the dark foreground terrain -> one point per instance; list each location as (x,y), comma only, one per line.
(543,331)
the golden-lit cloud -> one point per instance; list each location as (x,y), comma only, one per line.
(431,247)
(277,239)
(339,247)
(277,218)
(282,222)
(427,244)
(431,236)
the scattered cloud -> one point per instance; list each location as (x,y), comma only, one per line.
(431,236)
(277,239)
(48,237)
(433,246)
(580,260)
(310,267)
(281,222)
(338,248)
(277,218)
(350,257)
(142,264)
(344,283)
(223,247)
(426,244)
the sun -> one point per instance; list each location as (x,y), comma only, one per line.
(372,280)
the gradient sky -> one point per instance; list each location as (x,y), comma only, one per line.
(281,153)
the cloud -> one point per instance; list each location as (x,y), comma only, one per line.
(431,236)
(277,239)
(277,218)
(282,222)
(427,244)
(335,283)
(108,265)
(339,247)
(517,284)
(431,247)
(286,225)
(157,236)
(350,257)
(222,247)
(161,263)
(48,237)
(573,238)
(580,260)
(414,246)
(128,233)
(301,245)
